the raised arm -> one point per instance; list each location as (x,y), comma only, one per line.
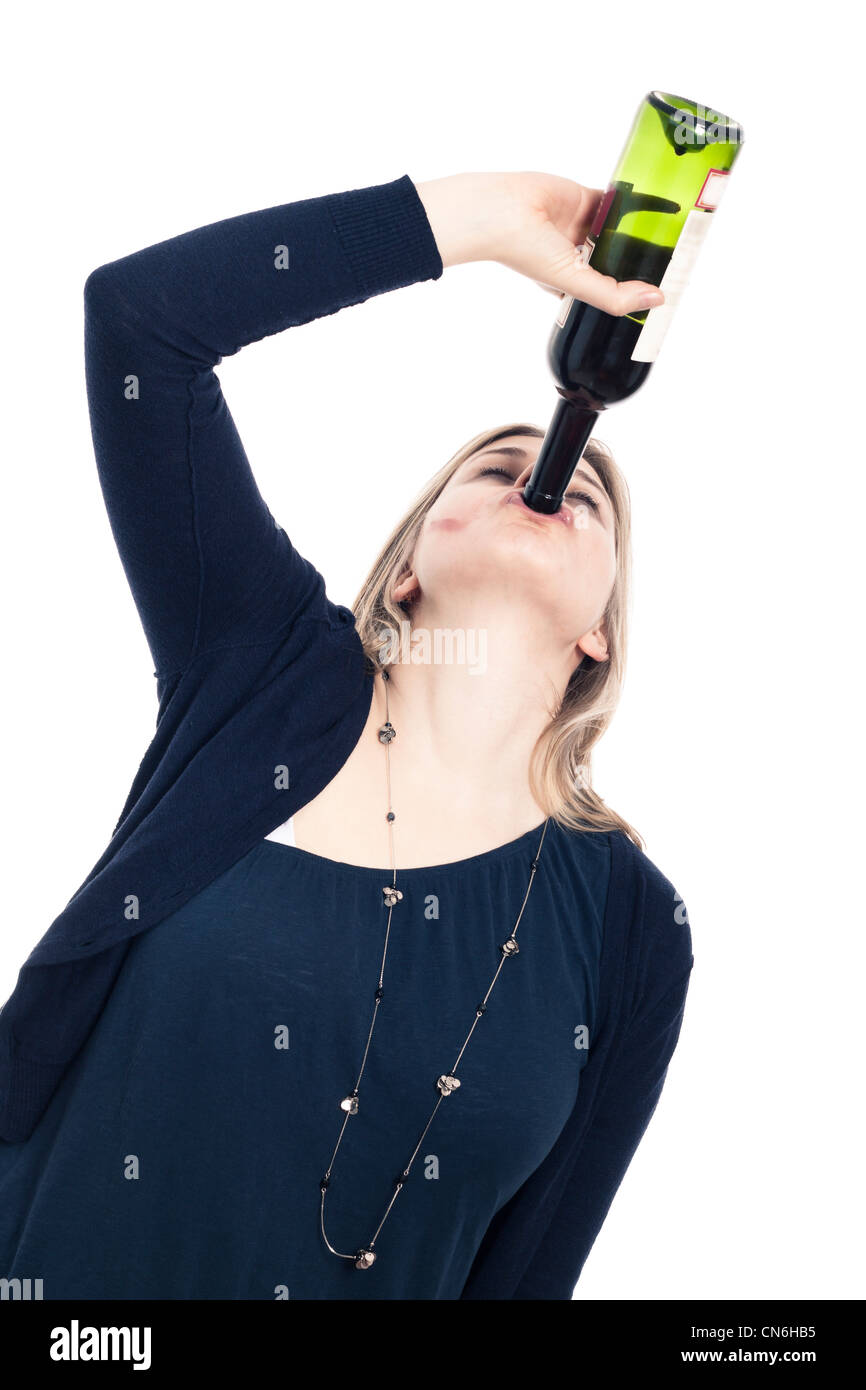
(206,562)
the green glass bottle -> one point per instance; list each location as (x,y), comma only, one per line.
(649,226)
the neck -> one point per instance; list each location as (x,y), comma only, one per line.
(468,711)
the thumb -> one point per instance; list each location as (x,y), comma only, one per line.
(565,270)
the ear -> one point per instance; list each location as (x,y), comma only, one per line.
(406,587)
(594,644)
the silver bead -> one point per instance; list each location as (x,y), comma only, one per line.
(387,732)
(350,1104)
(447,1084)
(510,947)
(364,1259)
(392,895)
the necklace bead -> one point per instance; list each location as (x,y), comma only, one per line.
(447,1084)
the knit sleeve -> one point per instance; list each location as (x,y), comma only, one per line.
(624,1109)
(206,562)
(538,1241)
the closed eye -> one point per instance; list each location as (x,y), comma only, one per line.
(579,496)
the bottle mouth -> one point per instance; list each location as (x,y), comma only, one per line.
(708,124)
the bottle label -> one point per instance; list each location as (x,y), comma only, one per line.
(673,282)
(714,186)
(565,306)
(584,254)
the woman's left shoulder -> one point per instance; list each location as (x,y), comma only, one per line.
(666,936)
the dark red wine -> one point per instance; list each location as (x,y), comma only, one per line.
(590,352)
(649,226)
(590,356)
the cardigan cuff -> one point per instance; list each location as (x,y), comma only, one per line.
(26,1087)
(386,235)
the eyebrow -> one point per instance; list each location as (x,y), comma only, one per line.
(514,451)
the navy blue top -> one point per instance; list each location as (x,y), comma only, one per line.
(181,1155)
(240,630)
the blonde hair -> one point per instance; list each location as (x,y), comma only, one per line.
(560,772)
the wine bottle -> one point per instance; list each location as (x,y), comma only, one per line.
(649,226)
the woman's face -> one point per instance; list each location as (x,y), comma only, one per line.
(479,537)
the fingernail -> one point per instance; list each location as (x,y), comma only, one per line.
(650,298)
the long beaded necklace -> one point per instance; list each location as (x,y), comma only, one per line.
(446,1084)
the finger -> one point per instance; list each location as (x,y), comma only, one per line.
(610,295)
(629,292)
(567,271)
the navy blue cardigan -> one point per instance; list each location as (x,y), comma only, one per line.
(257,670)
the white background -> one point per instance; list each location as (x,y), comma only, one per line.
(737,748)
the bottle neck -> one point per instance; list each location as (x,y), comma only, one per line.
(561,451)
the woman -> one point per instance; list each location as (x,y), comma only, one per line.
(198,1095)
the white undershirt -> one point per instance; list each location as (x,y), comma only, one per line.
(284,834)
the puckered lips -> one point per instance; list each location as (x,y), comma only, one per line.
(563,516)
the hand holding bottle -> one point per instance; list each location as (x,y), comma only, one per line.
(533,223)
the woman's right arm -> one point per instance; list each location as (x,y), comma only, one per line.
(207,564)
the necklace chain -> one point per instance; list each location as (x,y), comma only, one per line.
(446,1084)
